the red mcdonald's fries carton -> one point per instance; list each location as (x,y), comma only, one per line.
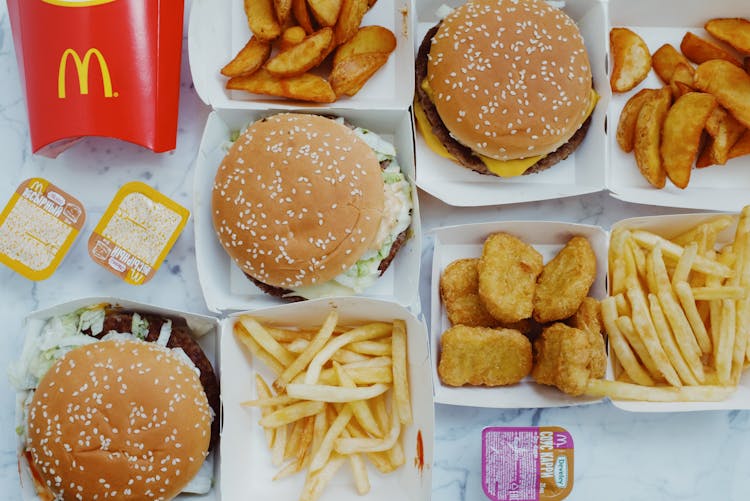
(99,68)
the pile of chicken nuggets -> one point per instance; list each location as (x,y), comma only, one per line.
(512,315)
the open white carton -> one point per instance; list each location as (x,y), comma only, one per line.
(204,329)
(458,242)
(224,286)
(219,29)
(245,457)
(582,172)
(670,226)
(714,188)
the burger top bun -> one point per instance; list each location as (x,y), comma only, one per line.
(510,78)
(297,200)
(118,420)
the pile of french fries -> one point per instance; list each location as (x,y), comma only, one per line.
(702,114)
(308,31)
(678,315)
(340,395)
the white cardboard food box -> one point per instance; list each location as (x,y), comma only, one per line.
(204,329)
(583,172)
(457,242)
(224,286)
(669,226)
(218,30)
(245,457)
(713,188)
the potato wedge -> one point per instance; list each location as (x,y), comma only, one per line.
(308,87)
(303,56)
(724,130)
(282,8)
(681,135)
(325,11)
(746,64)
(648,136)
(260,82)
(734,31)
(631,60)
(665,61)
(367,39)
(742,146)
(699,50)
(681,81)
(261,18)
(729,84)
(248,59)
(628,116)
(350,17)
(352,73)
(291,37)
(302,15)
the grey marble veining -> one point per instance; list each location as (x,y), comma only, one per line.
(618,456)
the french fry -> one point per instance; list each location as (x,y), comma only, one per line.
(729,84)
(622,350)
(257,350)
(699,50)
(360,408)
(684,264)
(668,342)
(324,393)
(685,295)
(355,445)
(288,335)
(269,401)
(627,328)
(618,390)
(713,226)
(261,19)
(647,136)
(725,348)
(304,358)
(631,59)
(291,413)
(326,447)
(734,31)
(266,341)
(719,292)
(674,251)
(264,392)
(402,399)
(742,275)
(681,135)
(316,482)
(360,375)
(371,348)
(279,445)
(626,125)
(294,438)
(665,60)
(359,472)
(249,59)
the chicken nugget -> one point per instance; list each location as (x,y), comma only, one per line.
(482,356)
(588,318)
(459,285)
(562,358)
(508,270)
(565,281)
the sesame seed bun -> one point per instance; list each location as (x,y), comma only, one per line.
(120,420)
(510,79)
(297,200)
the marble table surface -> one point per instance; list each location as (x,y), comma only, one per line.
(618,456)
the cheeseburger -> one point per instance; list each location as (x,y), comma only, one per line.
(309,207)
(503,87)
(115,404)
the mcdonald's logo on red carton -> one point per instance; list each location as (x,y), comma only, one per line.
(99,68)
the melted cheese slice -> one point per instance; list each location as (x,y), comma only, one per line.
(502,168)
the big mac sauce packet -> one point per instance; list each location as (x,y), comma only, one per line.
(99,68)
(527,464)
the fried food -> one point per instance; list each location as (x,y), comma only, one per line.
(699,50)
(368,39)
(302,15)
(588,318)
(248,59)
(261,19)
(734,31)
(292,36)
(482,356)
(562,358)
(565,281)
(631,60)
(349,76)
(724,131)
(648,137)
(666,59)
(729,84)
(307,87)
(681,135)
(302,57)
(459,290)
(325,11)
(628,116)
(508,270)
(682,81)
(350,17)
(742,146)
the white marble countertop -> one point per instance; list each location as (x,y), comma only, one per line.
(618,456)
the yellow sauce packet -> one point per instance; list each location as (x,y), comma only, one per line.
(136,232)
(37,228)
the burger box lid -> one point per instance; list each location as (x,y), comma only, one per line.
(714,188)
(218,29)
(206,331)
(224,286)
(465,241)
(245,457)
(669,226)
(580,173)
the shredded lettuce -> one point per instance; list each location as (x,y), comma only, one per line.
(91,319)
(139,327)
(165,333)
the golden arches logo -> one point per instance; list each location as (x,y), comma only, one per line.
(77,3)
(82,70)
